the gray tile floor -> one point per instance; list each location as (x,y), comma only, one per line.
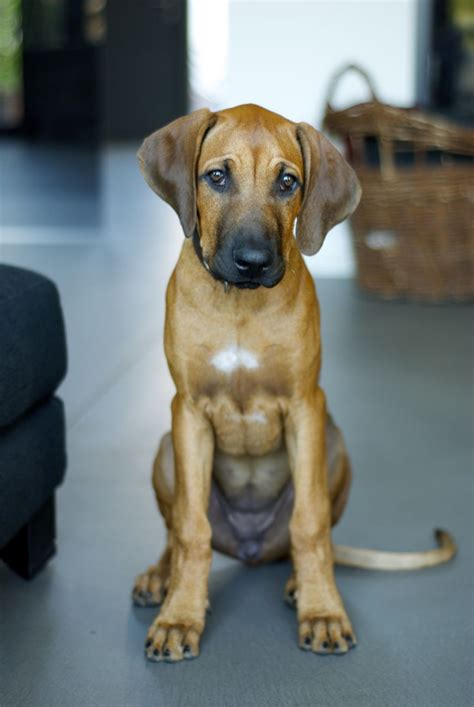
(398,380)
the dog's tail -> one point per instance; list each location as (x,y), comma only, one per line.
(381,560)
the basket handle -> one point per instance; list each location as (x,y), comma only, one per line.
(340,73)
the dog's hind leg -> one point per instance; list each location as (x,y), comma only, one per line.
(150,587)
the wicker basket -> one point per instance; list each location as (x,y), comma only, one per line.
(413,231)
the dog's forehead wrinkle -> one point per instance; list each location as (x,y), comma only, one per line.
(252,160)
(218,160)
(239,129)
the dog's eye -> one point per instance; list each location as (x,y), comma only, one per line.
(287,182)
(217,177)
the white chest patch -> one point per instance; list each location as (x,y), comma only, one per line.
(233,357)
(258,417)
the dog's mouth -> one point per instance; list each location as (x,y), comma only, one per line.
(247,284)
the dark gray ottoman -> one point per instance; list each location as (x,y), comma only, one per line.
(32,429)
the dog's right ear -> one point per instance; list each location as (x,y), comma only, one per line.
(168,160)
(331,189)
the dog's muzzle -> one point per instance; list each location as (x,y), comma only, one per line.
(247,262)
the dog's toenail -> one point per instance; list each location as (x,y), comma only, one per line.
(186,649)
(307,641)
(336,646)
(325,644)
(148,643)
(291,593)
(167,652)
(348,637)
(156,652)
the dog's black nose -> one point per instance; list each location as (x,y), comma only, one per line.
(252,261)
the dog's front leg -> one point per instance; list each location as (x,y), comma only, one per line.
(176,632)
(323,623)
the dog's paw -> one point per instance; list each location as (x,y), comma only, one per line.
(149,588)
(172,642)
(290,595)
(324,635)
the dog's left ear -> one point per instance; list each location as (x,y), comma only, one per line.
(331,189)
(168,160)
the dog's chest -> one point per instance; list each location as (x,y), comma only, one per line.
(234,359)
(253,430)
(241,389)
(240,370)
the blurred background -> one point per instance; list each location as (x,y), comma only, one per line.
(78,77)
(82,82)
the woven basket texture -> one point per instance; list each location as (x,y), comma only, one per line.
(413,231)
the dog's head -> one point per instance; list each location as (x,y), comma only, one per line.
(239,179)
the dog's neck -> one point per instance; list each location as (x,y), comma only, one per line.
(226,293)
(197,247)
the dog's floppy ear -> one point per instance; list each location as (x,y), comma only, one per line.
(331,189)
(168,161)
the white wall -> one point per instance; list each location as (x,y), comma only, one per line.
(281,54)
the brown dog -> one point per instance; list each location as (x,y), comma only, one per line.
(253,464)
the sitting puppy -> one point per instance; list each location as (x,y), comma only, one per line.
(254,465)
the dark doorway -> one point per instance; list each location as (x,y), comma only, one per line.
(84,73)
(450,59)
(97,70)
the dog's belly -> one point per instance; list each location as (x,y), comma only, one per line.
(251,499)
(250,505)
(254,431)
